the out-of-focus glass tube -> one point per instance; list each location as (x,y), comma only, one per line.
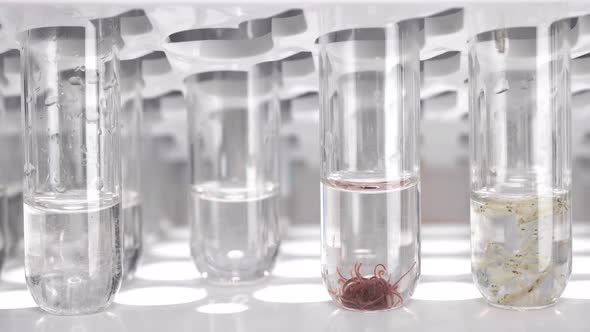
(520,163)
(12,155)
(174,174)
(165,189)
(151,209)
(234,121)
(370,178)
(4,164)
(73,248)
(130,119)
(300,199)
(175,225)
(14,190)
(285,173)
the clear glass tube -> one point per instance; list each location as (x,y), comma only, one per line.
(284,162)
(299,159)
(233,126)
(14,190)
(73,249)
(173,168)
(164,188)
(5,236)
(370,177)
(130,119)
(175,205)
(4,231)
(12,156)
(520,164)
(150,189)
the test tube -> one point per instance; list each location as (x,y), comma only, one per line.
(164,188)
(173,171)
(151,209)
(5,237)
(233,128)
(13,151)
(72,186)
(521,163)
(12,173)
(130,120)
(369,166)
(286,179)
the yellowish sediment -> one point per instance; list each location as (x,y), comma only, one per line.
(522,270)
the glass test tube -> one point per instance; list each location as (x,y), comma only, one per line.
(233,126)
(284,163)
(175,224)
(73,237)
(130,120)
(5,236)
(164,188)
(14,190)
(370,179)
(520,164)
(151,209)
(173,168)
(11,158)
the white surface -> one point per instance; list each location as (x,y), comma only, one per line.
(166,296)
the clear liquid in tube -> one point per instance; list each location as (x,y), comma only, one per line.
(73,252)
(370,230)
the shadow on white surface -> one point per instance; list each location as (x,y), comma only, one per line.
(168,271)
(221,319)
(102,322)
(222,308)
(400,319)
(160,296)
(445,291)
(549,319)
(293,293)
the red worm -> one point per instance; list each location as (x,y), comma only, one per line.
(369,293)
